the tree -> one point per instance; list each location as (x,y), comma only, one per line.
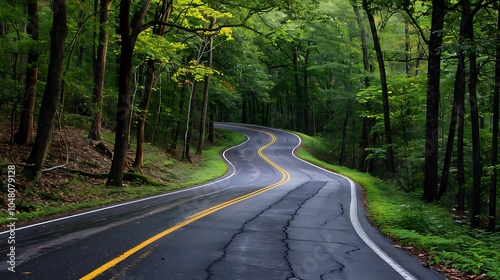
(474,115)
(58,35)
(390,171)
(492,213)
(433,94)
(162,14)
(129,31)
(363,162)
(26,133)
(143,112)
(457,109)
(206,91)
(100,70)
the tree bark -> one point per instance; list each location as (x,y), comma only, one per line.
(143,113)
(474,114)
(51,93)
(492,212)
(389,161)
(298,94)
(432,109)
(129,32)
(211,126)
(368,123)
(163,15)
(178,123)
(305,94)
(460,154)
(206,92)
(407,48)
(26,133)
(244,118)
(100,70)
(342,158)
(189,127)
(458,97)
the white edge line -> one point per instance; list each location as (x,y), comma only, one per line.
(353,212)
(225,177)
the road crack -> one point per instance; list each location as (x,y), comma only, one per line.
(252,247)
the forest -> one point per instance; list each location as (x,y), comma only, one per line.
(407,91)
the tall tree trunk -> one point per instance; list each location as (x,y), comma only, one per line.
(492,212)
(26,133)
(3,28)
(407,48)
(253,109)
(80,48)
(189,127)
(305,94)
(129,32)
(158,112)
(51,93)
(143,113)
(178,123)
(298,94)
(420,56)
(460,154)
(100,70)
(162,15)
(389,161)
(342,158)
(244,104)
(206,92)
(211,130)
(115,177)
(474,114)
(432,111)
(367,122)
(458,97)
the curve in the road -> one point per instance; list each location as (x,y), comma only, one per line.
(282,172)
(225,177)
(284,179)
(353,212)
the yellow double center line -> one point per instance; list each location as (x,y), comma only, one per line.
(284,179)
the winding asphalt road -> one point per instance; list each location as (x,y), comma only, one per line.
(272,216)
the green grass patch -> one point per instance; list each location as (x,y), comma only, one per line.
(426,227)
(212,166)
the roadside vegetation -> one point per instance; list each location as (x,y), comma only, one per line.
(439,236)
(62,190)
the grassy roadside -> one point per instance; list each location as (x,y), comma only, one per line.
(428,230)
(76,192)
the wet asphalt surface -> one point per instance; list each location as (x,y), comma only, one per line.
(300,227)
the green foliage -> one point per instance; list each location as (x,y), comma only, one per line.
(474,252)
(158,47)
(77,120)
(194,71)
